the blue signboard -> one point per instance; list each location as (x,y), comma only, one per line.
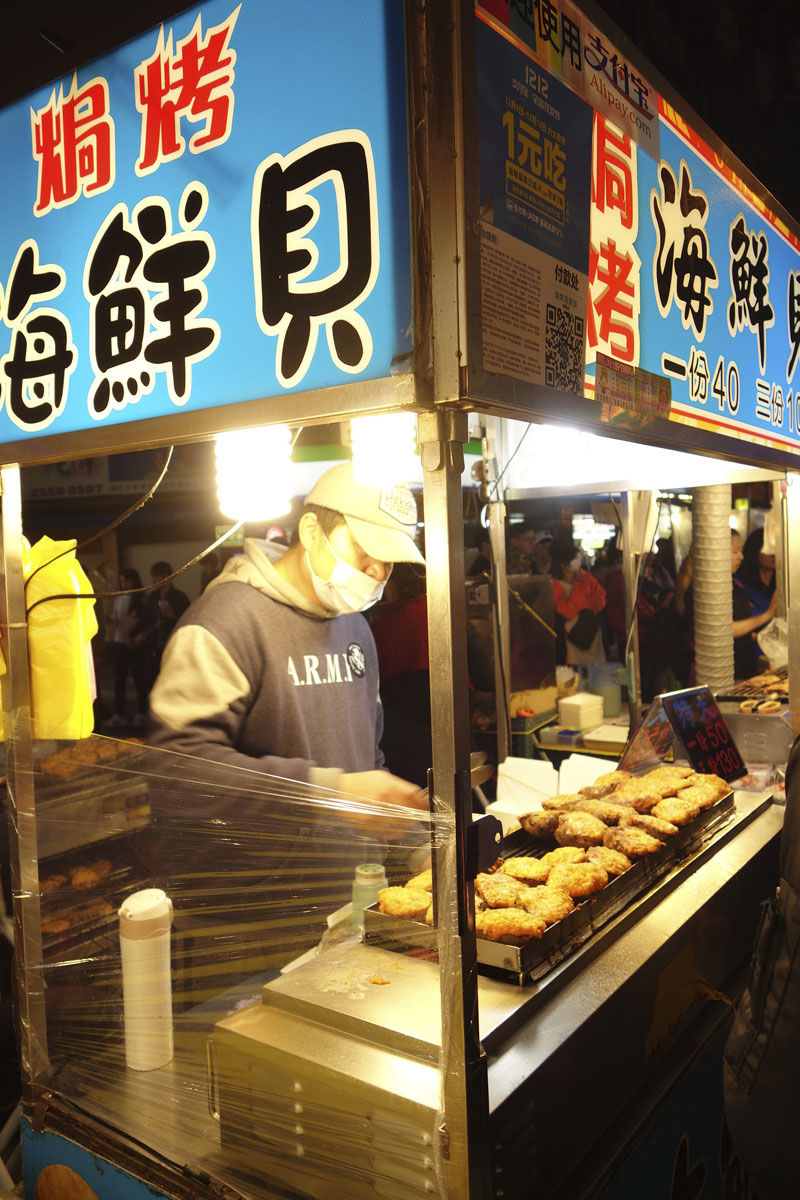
(695,281)
(56,1168)
(720,314)
(216,212)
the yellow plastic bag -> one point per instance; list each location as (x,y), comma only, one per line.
(59,641)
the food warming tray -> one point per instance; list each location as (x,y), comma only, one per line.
(534,959)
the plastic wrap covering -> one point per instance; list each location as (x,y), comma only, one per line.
(711,542)
(297,1058)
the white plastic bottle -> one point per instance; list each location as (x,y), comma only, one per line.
(368,881)
(145,919)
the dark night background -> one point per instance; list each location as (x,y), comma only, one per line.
(736,62)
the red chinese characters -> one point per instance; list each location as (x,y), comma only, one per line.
(73,143)
(195,82)
(614,265)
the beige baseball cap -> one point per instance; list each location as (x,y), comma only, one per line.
(382,521)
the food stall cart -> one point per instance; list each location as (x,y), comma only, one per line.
(362,1070)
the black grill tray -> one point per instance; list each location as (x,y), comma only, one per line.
(540,955)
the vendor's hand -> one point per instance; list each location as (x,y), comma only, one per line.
(383,788)
(773,606)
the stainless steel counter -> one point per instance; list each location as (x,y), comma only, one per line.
(590,1048)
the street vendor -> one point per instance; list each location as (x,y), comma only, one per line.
(274,667)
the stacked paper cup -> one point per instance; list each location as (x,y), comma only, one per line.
(145,919)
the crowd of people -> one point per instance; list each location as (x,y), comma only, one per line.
(588,605)
(589,602)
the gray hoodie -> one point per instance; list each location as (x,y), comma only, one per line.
(256,676)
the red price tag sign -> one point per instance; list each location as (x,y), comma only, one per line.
(695,716)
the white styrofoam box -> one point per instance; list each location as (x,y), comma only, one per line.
(579,770)
(581,711)
(614,735)
(526,782)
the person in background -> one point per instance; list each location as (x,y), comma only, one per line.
(125,617)
(757,572)
(210,567)
(482,563)
(520,548)
(579,600)
(745,622)
(400,628)
(163,608)
(542,550)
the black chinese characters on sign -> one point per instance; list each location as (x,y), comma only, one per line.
(701,728)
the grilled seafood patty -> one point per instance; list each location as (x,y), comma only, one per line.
(512,925)
(539,824)
(613,862)
(564,854)
(550,903)
(678,812)
(637,796)
(579,829)
(657,826)
(561,802)
(632,842)
(607,811)
(526,870)
(412,903)
(580,879)
(498,890)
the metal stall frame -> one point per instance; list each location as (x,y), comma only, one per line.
(443,386)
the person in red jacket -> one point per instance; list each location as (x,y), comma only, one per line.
(579,600)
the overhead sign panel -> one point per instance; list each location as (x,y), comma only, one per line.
(206,216)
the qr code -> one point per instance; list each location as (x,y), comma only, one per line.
(563,350)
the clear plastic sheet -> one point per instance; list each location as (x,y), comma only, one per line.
(304,1060)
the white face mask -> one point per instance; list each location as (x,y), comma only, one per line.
(348,590)
(575,563)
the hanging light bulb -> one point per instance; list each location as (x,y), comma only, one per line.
(254,473)
(385,449)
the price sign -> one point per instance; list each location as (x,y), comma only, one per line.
(650,742)
(698,722)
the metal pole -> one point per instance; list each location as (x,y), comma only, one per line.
(464,1073)
(792,565)
(23,845)
(629,575)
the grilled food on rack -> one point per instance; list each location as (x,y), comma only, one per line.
(698,795)
(613,862)
(677,811)
(526,870)
(498,891)
(711,783)
(655,825)
(613,777)
(580,879)
(608,812)
(596,791)
(511,925)
(52,883)
(641,796)
(412,903)
(550,903)
(564,854)
(632,842)
(422,882)
(539,824)
(562,803)
(82,878)
(579,829)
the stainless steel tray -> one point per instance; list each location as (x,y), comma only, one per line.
(540,955)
